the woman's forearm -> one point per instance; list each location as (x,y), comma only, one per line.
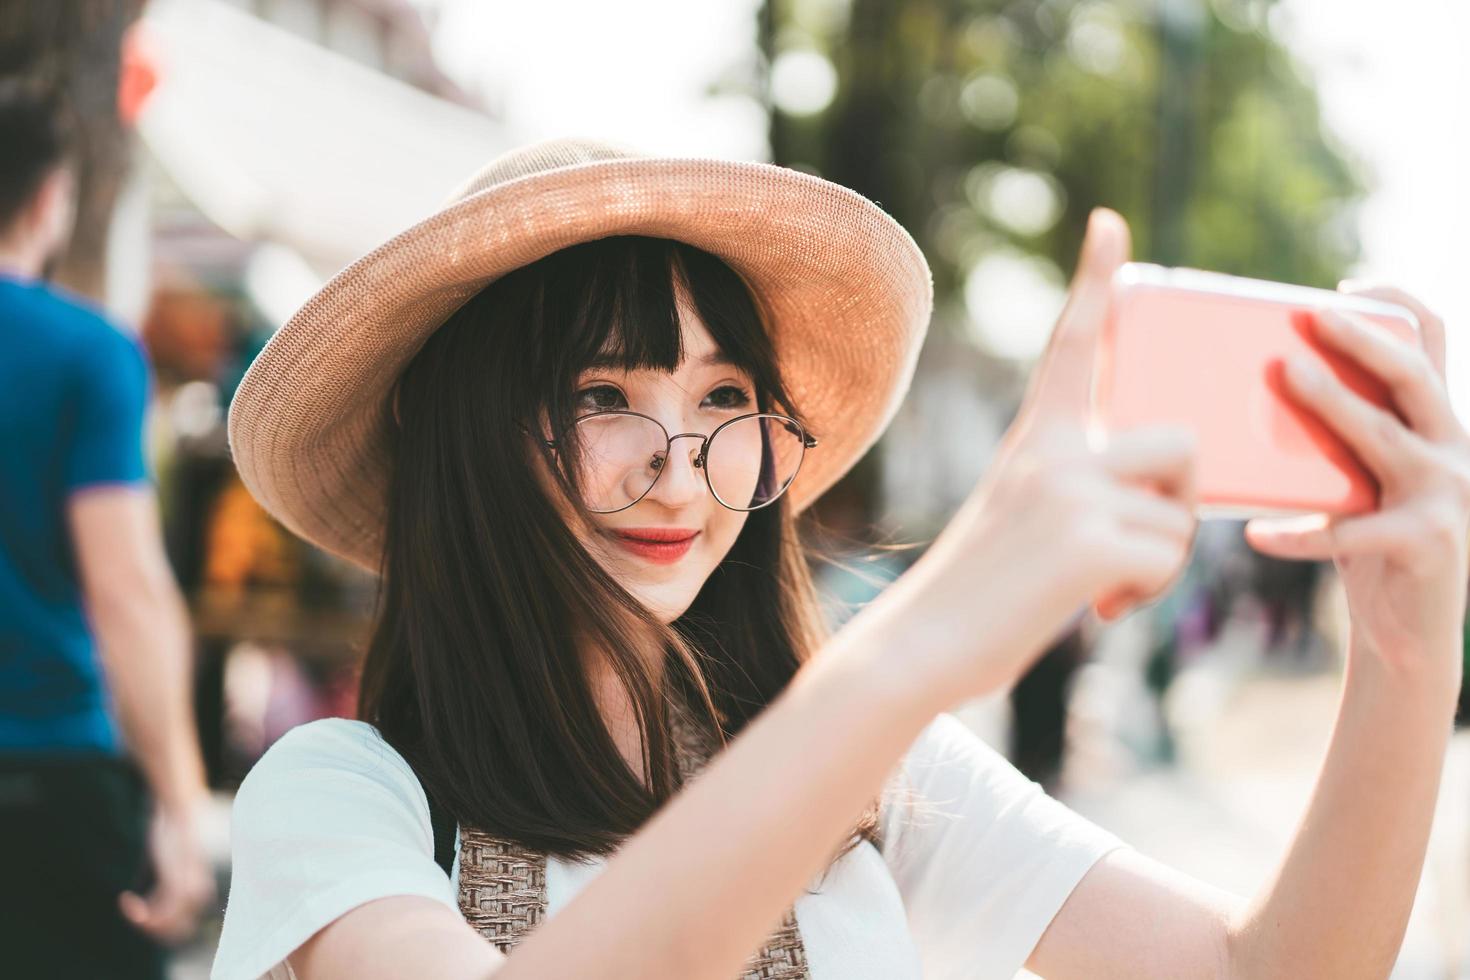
(697,889)
(1339,903)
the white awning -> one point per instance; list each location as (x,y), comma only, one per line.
(277,139)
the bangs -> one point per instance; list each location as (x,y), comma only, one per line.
(614,303)
(629,317)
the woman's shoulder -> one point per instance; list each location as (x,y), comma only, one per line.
(981,855)
(948,776)
(329,741)
(947,748)
(331,816)
(331,758)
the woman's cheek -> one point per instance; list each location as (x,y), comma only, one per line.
(727,527)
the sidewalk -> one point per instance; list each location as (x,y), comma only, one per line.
(1226,810)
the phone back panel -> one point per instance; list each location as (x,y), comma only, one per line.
(1208,354)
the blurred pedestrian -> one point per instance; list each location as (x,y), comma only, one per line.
(1462,716)
(1039,710)
(101,780)
(1287,592)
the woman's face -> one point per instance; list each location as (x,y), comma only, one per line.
(702,392)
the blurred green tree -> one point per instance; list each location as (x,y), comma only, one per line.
(1189,117)
(990,128)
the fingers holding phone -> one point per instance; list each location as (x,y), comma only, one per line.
(1431,325)
(1416,449)
(1061,390)
(1061,520)
(1160,496)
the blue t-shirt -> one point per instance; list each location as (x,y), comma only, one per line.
(73,389)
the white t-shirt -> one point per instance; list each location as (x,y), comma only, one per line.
(976,859)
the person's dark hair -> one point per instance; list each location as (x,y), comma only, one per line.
(487,599)
(37,136)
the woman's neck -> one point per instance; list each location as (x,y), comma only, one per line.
(619,715)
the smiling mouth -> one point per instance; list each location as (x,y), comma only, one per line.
(658,535)
(658,545)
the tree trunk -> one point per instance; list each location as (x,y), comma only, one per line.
(76,45)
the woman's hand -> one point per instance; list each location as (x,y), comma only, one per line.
(1404,566)
(1056,523)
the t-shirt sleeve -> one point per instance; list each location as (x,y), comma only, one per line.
(982,856)
(329,818)
(109,397)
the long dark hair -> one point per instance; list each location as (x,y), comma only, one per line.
(487,600)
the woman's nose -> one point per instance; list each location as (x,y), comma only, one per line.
(680,480)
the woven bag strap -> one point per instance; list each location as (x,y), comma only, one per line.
(443,823)
(502,885)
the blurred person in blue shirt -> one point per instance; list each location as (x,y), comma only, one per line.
(101,781)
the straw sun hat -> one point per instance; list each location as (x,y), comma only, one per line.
(844,291)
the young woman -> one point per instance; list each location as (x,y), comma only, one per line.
(570,419)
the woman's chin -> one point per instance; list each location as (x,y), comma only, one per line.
(667,603)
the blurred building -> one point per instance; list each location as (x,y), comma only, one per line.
(282,140)
(388,36)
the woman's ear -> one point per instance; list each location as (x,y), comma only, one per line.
(396,418)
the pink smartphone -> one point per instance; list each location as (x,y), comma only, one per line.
(1205,350)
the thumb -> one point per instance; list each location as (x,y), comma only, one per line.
(1062,384)
(133,906)
(1303,537)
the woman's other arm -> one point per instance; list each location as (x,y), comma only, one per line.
(1339,902)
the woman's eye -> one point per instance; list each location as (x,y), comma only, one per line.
(730,396)
(607,398)
(600,398)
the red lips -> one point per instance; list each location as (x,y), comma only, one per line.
(663,545)
(659,534)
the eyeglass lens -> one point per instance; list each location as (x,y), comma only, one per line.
(749,462)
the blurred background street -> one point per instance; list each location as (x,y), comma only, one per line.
(241,152)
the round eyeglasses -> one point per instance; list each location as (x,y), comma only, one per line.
(748,461)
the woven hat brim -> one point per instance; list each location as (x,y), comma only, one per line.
(846,291)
